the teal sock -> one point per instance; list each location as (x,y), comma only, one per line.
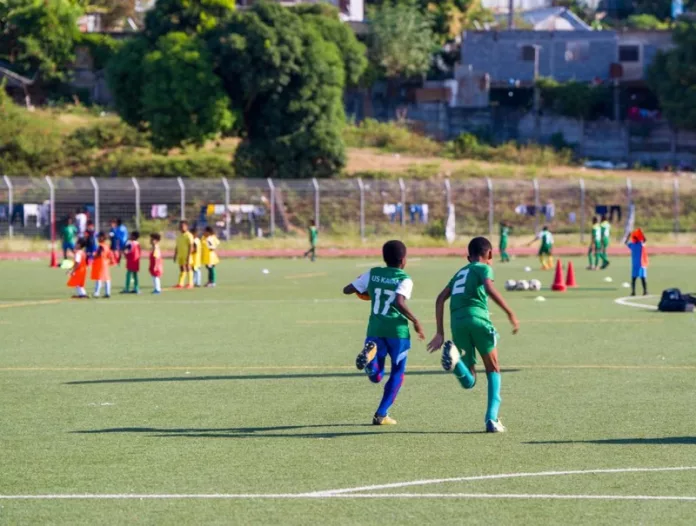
(136,285)
(464,375)
(493,396)
(128,280)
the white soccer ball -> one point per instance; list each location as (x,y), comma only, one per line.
(510,284)
(534,284)
(523,284)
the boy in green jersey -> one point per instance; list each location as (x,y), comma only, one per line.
(387,330)
(595,245)
(545,248)
(471,326)
(504,234)
(313,234)
(605,234)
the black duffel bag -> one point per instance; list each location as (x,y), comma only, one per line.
(673,300)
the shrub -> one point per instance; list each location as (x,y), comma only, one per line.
(199,165)
(106,135)
(389,136)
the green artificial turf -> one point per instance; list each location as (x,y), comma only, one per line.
(250,389)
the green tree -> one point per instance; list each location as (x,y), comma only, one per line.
(646,23)
(401,40)
(672,76)
(287,82)
(187,16)
(37,36)
(125,77)
(182,99)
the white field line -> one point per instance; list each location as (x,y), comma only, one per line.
(359,492)
(629,301)
(426,482)
(297,496)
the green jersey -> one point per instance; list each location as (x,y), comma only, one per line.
(383,284)
(596,234)
(546,239)
(69,233)
(313,235)
(605,230)
(468,295)
(504,233)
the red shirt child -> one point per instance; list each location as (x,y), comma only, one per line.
(133,253)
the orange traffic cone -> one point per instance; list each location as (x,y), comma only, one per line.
(54,259)
(570,276)
(558,283)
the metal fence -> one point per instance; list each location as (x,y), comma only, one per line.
(249,208)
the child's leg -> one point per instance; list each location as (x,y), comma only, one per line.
(182,275)
(596,258)
(189,275)
(197,277)
(128,281)
(398,352)
(644,281)
(107,288)
(550,260)
(81,291)
(213,275)
(633,286)
(136,284)
(375,368)
(490,361)
(589,259)
(97,288)
(314,253)
(156,282)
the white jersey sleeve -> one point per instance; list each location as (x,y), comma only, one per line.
(362,282)
(405,288)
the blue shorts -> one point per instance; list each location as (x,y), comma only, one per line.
(69,246)
(641,272)
(396,348)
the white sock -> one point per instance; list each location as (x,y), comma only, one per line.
(158,284)
(97,288)
(81,291)
(108,288)
(197,277)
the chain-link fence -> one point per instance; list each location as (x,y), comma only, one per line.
(250,208)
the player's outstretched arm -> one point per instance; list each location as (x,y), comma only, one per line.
(350,289)
(498,299)
(400,304)
(439,337)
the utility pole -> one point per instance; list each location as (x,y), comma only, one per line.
(511,14)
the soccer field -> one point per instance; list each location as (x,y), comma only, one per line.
(241,404)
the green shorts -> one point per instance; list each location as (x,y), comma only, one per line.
(474,334)
(544,250)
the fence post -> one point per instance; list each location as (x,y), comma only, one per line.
(315,184)
(537,204)
(629,191)
(271,187)
(489,183)
(95,185)
(402,188)
(361,186)
(182,189)
(676,206)
(582,211)
(10,203)
(448,192)
(136,185)
(226,184)
(52,219)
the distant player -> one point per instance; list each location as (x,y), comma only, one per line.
(90,242)
(196,258)
(471,326)
(69,235)
(639,260)
(387,330)
(101,274)
(156,263)
(595,245)
(209,256)
(605,234)
(313,235)
(545,248)
(114,240)
(182,255)
(78,274)
(132,252)
(504,234)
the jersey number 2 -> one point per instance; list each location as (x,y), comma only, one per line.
(458,287)
(389,298)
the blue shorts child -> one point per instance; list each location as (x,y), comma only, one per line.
(397,350)
(640,272)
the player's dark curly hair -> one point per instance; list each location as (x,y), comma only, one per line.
(394,252)
(479,246)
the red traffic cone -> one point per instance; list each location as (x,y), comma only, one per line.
(54,259)
(570,276)
(558,283)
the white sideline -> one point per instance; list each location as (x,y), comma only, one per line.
(357,492)
(629,301)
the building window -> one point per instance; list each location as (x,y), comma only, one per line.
(528,53)
(577,51)
(629,54)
